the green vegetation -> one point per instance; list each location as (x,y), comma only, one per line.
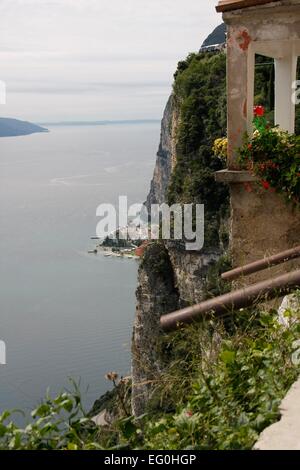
(221,387)
(200,93)
(264,92)
(242,364)
(213,283)
(116,242)
(156,261)
(274,156)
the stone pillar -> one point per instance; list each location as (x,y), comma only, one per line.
(285,75)
(240,87)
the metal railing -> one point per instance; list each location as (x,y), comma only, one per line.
(262,264)
(243,297)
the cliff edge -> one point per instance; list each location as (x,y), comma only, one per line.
(169,276)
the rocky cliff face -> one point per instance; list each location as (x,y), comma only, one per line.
(169,277)
(181,283)
(166,155)
(156,294)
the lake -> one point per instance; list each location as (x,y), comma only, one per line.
(64,312)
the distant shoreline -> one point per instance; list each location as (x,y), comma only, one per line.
(10,127)
(100,123)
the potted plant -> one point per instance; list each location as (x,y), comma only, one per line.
(270,154)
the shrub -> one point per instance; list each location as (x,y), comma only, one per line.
(200,92)
(274,156)
(222,385)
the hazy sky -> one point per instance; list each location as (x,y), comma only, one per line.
(96,59)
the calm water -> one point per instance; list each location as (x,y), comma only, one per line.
(64,312)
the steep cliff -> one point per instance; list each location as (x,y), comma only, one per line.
(194,117)
(166,155)
(156,294)
(218,36)
(169,276)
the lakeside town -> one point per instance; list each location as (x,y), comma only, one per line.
(119,244)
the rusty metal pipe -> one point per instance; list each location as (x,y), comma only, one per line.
(233,300)
(262,264)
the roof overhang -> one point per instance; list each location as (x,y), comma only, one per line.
(229,5)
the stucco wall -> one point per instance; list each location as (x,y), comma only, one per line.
(262,224)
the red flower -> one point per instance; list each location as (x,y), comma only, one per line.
(259,111)
(265,184)
(249,146)
(189,413)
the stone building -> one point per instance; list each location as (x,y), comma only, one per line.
(262,223)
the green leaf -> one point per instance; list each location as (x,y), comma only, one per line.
(127,427)
(227,356)
(72,446)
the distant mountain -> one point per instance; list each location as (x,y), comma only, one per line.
(101,123)
(13,127)
(218,36)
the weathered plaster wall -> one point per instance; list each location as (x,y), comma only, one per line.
(262,224)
